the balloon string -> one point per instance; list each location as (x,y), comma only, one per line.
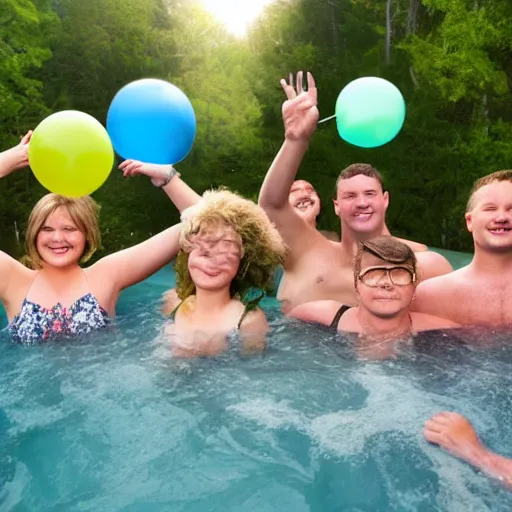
(327,119)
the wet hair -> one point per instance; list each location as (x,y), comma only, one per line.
(389,249)
(360,169)
(84,212)
(486,180)
(262,248)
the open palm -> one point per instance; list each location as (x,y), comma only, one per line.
(300,113)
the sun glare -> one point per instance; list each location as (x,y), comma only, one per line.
(236,15)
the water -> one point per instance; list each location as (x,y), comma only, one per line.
(457,259)
(112,422)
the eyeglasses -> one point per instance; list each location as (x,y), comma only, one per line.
(398,276)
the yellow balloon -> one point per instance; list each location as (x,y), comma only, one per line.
(70,153)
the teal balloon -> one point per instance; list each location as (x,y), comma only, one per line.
(370,112)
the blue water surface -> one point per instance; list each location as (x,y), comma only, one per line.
(112,422)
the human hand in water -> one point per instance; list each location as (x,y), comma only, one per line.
(454,433)
(158,173)
(300,113)
(16,157)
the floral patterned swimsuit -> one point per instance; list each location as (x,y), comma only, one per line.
(35,323)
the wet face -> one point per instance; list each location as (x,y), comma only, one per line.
(385,289)
(215,258)
(361,204)
(60,243)
(305,200)
(490,219)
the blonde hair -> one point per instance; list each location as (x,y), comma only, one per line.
(262,248)
(486,180)
(388,249)
(84,212)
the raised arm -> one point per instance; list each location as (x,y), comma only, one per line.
(7,270)
(15,157)
(300,117)
(130,266)
(164,176)
(455,434)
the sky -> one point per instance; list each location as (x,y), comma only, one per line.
(236,15)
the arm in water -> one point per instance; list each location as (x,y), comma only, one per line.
(253,331)
(455,434)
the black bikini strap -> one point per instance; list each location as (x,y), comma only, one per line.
(250,306)
(337,316)
(172,316)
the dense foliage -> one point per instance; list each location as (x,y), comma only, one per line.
(452,59)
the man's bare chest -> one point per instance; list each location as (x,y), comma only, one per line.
(483,305)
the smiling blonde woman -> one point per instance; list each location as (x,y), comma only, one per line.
(52,295)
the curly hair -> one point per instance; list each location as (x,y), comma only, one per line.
(262,248)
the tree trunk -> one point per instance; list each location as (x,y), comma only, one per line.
(334,35)
(412,25)
(412,15)
(485,114)
(388,31)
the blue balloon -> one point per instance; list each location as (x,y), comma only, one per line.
(153,121)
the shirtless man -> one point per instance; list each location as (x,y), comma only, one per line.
(317,268)
(481,292)
(304,198)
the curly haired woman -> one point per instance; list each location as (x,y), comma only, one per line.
(229,249)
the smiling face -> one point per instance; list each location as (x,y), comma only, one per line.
(305,200)
(490,217)
(214,258)
(361,204)
(60,243)
(385,289)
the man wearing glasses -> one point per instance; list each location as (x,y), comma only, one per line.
(385,278)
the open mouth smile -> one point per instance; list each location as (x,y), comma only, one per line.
(501,230)
(60,250)
(363,217)
(304,204)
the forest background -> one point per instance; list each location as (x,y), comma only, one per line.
(452,60)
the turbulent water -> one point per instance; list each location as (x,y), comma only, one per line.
(113,422)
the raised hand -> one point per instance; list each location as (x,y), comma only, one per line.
(157,173)
(22,150)
(15,157)
(300,113)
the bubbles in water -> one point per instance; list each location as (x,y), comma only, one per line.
(113,422)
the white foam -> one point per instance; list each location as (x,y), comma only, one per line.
(392,405)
